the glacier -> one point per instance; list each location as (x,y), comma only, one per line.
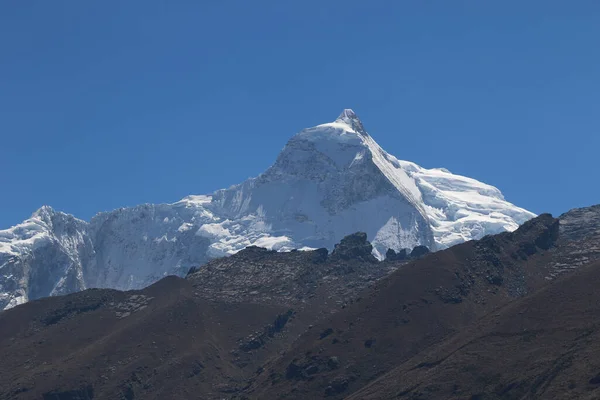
(328,181)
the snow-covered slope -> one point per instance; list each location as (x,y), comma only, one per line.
(327,182)
(44,256)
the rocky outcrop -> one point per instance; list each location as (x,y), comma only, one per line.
(403,255)
(259,275)
(259,339)
(391,255)
(354,247)
(419,251)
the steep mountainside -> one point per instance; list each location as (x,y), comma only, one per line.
(327,182)
(179,338)
(431,300)
(544,346)
(263,324)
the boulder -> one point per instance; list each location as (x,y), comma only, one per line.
(354,247)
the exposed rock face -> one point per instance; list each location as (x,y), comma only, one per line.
(539,232)
(391,255)
(260,338)
(579,240)
(402,255)
(580,223)
(262,276)
(320,255)
(419,251)
(354,247)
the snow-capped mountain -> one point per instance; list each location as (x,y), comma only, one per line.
(327,182)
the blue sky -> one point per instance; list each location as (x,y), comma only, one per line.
(115,103)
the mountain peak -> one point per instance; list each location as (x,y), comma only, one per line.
(349,117)
(44,212)
(347,113)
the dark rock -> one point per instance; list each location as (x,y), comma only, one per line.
(128,393)
(336,386)
(528,248)
(86,393)
(71,310)
(391,255)
(257,340)
(274,377)
(196,369)
(293,371)
(279,323)
(320,256)
(325,333)
(311,369)
(452,296)
(502,390)
(580,224)
(595,380)
(254,252)
(419,251)
(369,343)
(548,238)
(19,390)
(354,247)
(252,342)
(255,249)
(333,363)
(540,232)
(304,369)
(495,279)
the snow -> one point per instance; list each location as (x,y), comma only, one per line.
(394,173)
(194,200)
(48,244)
(186,226)
(462,208)
(213,231)
(306,248)
(328,181)
(458,208)
(23,236)
(274,243)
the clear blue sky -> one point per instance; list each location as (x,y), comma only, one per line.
(115,103)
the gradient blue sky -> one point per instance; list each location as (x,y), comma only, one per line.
(115,103)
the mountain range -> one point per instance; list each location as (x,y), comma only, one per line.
(510,316)
(328,181)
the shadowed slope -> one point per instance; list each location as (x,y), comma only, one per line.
(419,305)
(544,346)
(263,324)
